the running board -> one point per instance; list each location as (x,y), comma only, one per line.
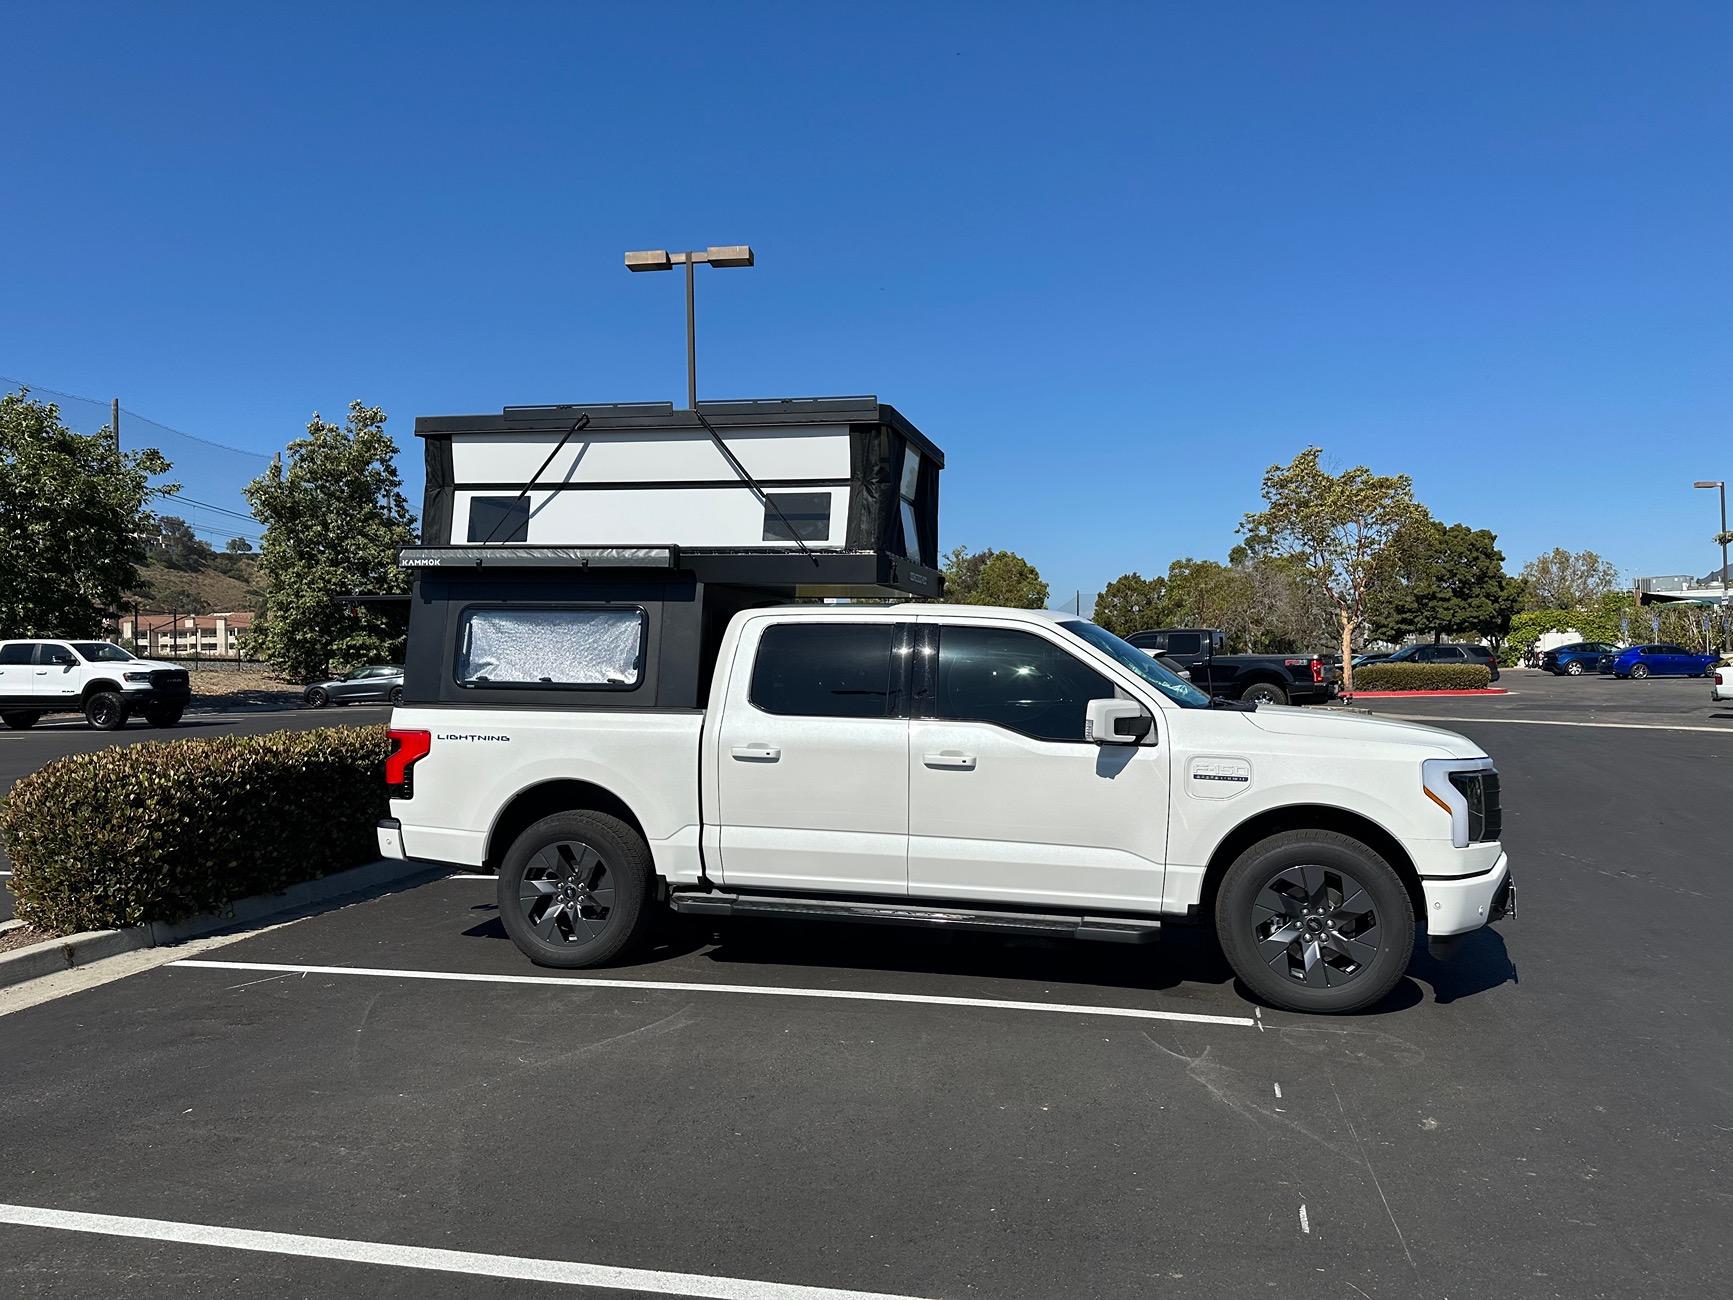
(1107,929)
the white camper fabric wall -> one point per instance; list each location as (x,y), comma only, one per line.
(655,487)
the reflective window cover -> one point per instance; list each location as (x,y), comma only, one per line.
(911,473)
(551,647)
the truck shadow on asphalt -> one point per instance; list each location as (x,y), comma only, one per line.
(1184,956)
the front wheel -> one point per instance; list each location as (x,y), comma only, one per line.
(396,696)
(105,711)
(1264,693)
(1575,670)
(18,720)
(1315,921)
(574,890)
(1639,671)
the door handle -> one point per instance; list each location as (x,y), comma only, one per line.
(756,753)
(962,762)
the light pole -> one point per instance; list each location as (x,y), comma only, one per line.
(1721,486)
(660,259)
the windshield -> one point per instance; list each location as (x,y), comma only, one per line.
(100,652)
(1181,692)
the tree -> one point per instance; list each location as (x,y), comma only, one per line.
(1130,603)
(334,520)
(178,546)
(72,512)
(1339,528)
(239,546)
(1563,579)
(993,578)
(1448,579)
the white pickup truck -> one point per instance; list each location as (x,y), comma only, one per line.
(962,766)
(99,679)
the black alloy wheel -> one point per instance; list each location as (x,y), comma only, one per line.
(1316,926)
(575,890)
(105,711)
(567,894)
(317,697)
(396,696)
(1314,920)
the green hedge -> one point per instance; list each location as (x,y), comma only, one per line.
(163,831)
(1422,677)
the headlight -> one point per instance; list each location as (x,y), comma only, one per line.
(137,677)
(1467,789)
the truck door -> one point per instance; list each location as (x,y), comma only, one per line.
(813,758)
(1007,800)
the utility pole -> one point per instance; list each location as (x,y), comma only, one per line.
(114,421)
(1720,485)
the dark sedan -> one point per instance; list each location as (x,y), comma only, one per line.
(374,683)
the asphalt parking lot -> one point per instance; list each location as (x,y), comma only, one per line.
(865,1111)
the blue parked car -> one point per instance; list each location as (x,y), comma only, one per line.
(1661,660)
(1577,658)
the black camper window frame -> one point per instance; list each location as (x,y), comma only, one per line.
(512,510)
(464,611)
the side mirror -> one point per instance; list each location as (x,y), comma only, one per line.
(1116,722)
(65,660)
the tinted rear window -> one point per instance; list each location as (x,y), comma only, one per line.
(18,652)
(826,670)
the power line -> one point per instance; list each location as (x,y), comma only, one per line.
(221,510)
(179,433)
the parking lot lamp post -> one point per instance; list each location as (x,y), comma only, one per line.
(660,259)
(1720,485)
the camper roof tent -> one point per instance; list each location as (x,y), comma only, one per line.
(545,526)
(842,499)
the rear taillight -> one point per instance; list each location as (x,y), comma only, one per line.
(407,749)
(1317,670)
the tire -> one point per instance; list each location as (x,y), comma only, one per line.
(1264,693)
(19,720)
(1276,884)
(105,711)
(396,696)
(317,697)
(1639,671)
(1574,669)
(163,715)
(600,867)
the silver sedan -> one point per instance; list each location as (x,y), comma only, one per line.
(374,683)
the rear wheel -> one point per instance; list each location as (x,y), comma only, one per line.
(1639,671)
(317,697)
(574,890)
(1315,921)
(19,720)
(163,715)
(1264,693)
(105,711)
(1574,668)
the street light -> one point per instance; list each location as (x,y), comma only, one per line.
(1720,485)
(660,259)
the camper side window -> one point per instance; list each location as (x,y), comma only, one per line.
(597,647)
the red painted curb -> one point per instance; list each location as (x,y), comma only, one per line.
(1413,695)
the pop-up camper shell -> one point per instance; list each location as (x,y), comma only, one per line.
(653,526)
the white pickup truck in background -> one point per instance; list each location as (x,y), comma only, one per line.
(970,767)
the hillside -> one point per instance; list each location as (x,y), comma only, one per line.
(183,574)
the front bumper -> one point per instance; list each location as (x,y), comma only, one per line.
(1458,906)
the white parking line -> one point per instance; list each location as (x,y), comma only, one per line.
(429,1258)
(1549,722)
(665,986)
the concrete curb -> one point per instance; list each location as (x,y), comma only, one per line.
(67,951)
(1422,695)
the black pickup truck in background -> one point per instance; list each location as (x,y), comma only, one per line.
(1266,679)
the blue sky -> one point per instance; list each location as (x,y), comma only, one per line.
(1115,259)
